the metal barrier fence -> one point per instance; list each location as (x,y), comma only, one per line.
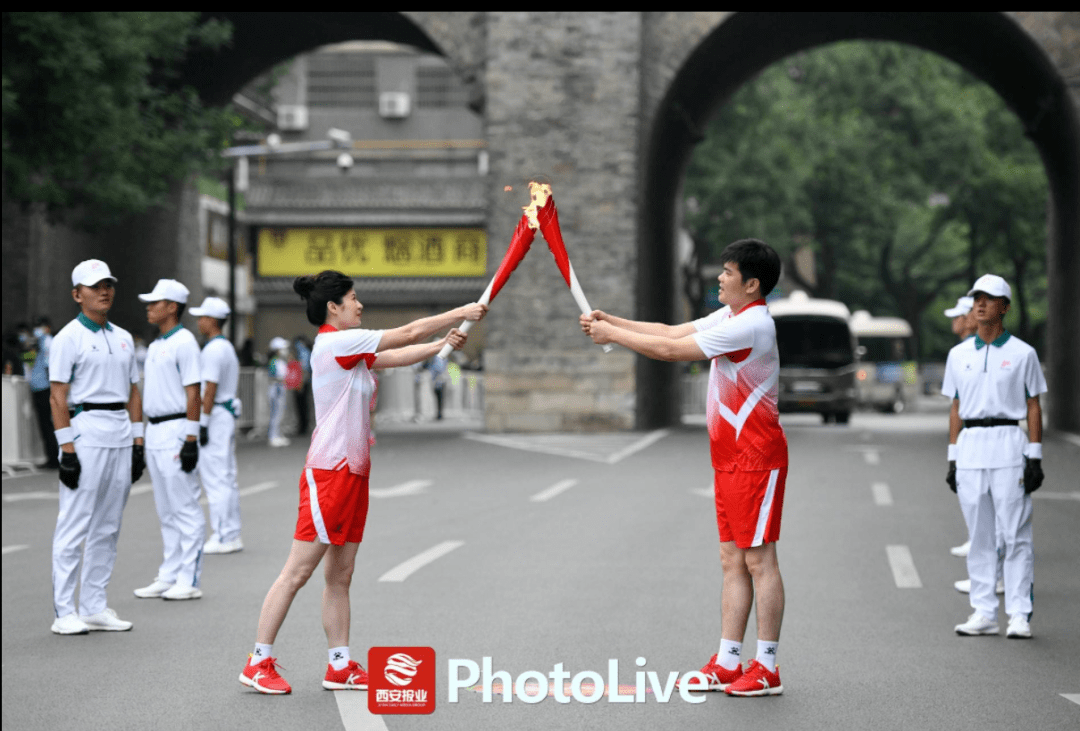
(22,447)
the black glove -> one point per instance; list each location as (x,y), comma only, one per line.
(204,436)
(70,469)
(189,455)
(950,478)
(1033,475)
(138,462)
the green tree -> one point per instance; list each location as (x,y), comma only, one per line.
(97,123)
(904,174)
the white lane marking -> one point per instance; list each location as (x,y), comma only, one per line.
(645,441)
(353,707)
(257,488)
(13,548)
(1071,438)
(412,487)
(140,488)
(703,491)
(36,495)
(1074,697)
(882,494)
(903,567)
(1056,495)
(872,456)
(548,493)
(403,570)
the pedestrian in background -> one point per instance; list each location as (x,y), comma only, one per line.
(278,367)
(13,362)
(172,403)
(40,391)
(92,372)
(220,372)
(995,380)
(303,394)
(438,368)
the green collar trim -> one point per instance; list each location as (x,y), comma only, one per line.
(172,332)
(1001,340)
(91,325)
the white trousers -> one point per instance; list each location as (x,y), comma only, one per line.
(89,514)
(183,527)
(217,469)
(993,501)
(276,394)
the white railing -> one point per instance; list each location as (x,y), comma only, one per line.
(22,447)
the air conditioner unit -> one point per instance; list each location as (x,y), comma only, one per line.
(393,104)
(292,116)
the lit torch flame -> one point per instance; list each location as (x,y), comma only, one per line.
(538,194)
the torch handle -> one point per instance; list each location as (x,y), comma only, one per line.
(466,325)
(582,303)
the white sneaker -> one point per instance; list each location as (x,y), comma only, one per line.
(964,586)
(1018,628)
(232,546)
(977,624)
(961,551)
(154,591)
(70,625)
(212,546)
(279,442)
(106,621)
(180,591)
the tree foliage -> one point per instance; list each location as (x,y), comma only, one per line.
(97,123)
(906,177)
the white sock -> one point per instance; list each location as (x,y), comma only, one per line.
(261,653)
(729,656)
(766,654)
(339,657)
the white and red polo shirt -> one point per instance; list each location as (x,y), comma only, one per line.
(344,390)
(742,412)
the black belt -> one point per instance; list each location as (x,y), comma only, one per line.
(79,408)
(968,423)
(167,417)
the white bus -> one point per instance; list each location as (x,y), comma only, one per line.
(817,356)
(887,378)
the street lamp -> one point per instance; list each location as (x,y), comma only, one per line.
(336,139)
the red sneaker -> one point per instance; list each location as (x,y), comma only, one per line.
(718,677)
(264,677)
(757,681)
(350,677)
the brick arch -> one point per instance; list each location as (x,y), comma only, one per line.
(699,60)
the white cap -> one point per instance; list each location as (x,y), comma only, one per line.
(211,307)
(279,343)
(167,289)
(90,272)
(963,306)
(992,285)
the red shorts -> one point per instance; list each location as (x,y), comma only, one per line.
(333,506)
(749,505)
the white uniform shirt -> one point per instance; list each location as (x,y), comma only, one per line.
(992,381)
(344,390)
(742,413)
(172,362)
(220,365)
(99,364)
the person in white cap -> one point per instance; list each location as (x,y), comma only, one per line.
(172,401)
(278,366)
(221,407)
(995,381)
(97,413)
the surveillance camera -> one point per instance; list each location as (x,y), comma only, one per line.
(344,162)
(273,140)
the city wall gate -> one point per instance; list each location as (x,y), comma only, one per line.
(610,106)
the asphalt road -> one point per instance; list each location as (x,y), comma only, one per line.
(591,549)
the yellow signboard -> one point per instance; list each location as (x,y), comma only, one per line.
(373,252)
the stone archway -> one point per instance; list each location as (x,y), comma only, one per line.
(1023,56)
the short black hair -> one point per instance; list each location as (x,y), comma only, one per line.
(319,290)
(756,260)
(221,322)
(180,307)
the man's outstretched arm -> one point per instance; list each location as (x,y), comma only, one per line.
(657,347)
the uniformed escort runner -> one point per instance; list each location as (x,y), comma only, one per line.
(98,414)
(221,408)
(334,483)
(995,381)
(172,399)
